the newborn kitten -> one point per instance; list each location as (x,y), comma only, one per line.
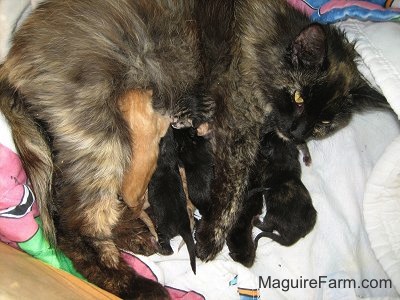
(290,211)
(275,177)
(167,198)
(196,157)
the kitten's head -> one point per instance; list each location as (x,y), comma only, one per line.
(323,87)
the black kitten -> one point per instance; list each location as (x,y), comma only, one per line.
(168,204)
(195,156)
(290,211)
(275,177)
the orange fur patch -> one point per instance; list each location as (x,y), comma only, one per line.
(147,128)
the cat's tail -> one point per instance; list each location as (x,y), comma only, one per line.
(34,151)
(120,280)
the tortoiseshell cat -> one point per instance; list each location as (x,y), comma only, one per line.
(70,65)
(302,77)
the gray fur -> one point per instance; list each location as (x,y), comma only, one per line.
(70,63)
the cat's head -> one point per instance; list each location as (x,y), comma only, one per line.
(323,87)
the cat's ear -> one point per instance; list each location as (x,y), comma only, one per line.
(309,48)
(365,98)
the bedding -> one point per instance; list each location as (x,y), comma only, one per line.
(354,181)
(330,11)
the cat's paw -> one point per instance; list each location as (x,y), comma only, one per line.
(207,251)
(145,289)
(307,160)
(165,248)
(246,258)
(241,248)
(207,247)
(179,122)
(204,129)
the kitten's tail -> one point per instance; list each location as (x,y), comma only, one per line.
(33,150)
(275,237)
(189,241)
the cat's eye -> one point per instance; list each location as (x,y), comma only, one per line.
(298,99)
(325,122)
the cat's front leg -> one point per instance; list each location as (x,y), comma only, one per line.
(240,239)
(233,162)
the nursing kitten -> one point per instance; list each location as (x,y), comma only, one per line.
(276,180)
(181,149)
(196,158)
(290,211)
(167,198)
(70,65)
(299,75)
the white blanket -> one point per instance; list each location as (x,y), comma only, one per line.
(344,245)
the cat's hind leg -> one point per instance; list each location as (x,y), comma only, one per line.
(93,153)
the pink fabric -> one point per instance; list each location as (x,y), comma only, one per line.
(144,270)
(347,3)
(300,5)
(16,225)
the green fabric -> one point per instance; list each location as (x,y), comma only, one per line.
(38,247)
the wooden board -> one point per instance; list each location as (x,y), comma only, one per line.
(24,277)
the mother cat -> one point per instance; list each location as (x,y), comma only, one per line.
(268,60)
(73,61)
(72,66)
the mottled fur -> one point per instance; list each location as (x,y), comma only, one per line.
(240,238)
(31,142)
(69,66)
(275,52)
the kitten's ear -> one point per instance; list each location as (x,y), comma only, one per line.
(366,98)
(309,47)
